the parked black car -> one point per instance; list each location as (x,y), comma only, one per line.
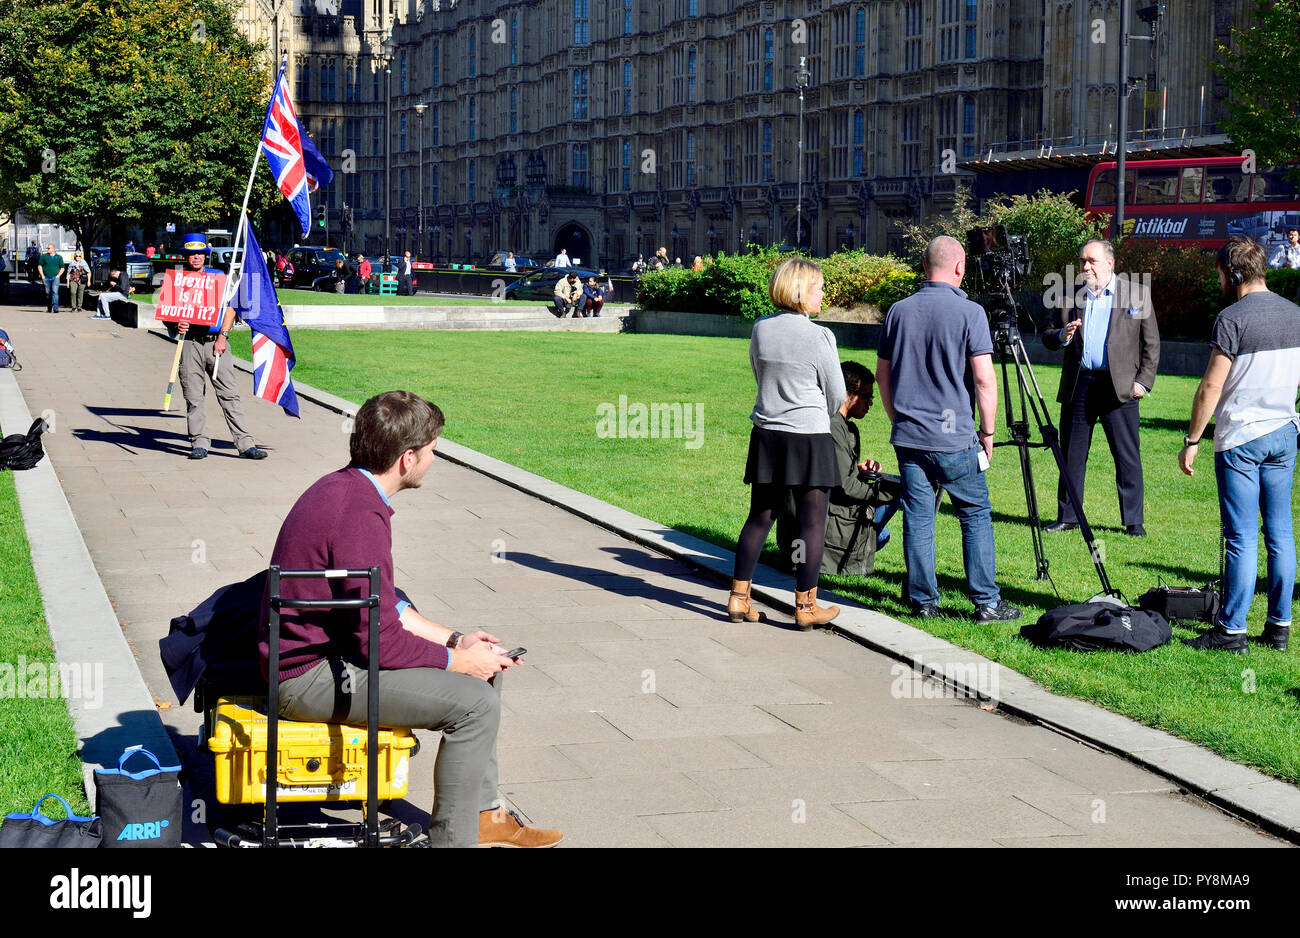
(138,267)
(310,264)
(540,284)
(523,262)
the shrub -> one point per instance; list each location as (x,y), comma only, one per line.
(854,277)
(736,285)
(1284,282)
(1184,287)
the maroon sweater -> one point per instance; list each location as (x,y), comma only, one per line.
(341,523)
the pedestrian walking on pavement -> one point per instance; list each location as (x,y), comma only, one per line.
(199,358)
(51,266)
(78,276)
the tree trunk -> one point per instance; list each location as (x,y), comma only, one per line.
(117,244)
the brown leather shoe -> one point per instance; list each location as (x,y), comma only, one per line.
(502,828)
(808,614)
(738,604)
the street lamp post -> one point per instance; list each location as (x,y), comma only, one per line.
(419,203)
(801,76)
(388,45)
(437,243)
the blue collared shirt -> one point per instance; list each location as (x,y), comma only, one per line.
(401,603)
(1096,326)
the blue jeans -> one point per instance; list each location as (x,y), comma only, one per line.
(1255,479)
(923,474)
(52,292)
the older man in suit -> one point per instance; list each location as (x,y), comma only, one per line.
(1112,346)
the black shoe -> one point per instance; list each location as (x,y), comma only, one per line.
(253,452)
(1220,639)
(198,453)
(998,613)
(1056,527)
(1135,530)
(926,610)
(1275,636)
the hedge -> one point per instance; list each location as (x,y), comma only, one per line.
(736,285)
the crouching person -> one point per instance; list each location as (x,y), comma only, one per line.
(568,296)
(859,507)
(431,676)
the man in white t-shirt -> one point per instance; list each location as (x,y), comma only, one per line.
(1250,387)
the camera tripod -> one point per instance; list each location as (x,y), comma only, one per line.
(1010,348)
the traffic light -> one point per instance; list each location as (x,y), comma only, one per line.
(320,216)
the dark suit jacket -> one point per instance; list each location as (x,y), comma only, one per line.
(1132,341)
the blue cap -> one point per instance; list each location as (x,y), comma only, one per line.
(195,244)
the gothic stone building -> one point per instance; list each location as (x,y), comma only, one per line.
(614,127)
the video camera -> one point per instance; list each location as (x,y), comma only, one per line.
(997,263)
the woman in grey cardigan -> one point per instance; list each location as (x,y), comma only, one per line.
(797,368)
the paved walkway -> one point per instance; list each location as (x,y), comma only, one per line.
(643,717)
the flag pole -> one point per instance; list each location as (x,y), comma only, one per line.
(236,255)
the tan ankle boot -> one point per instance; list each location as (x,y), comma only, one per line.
(807,613)
(738,604)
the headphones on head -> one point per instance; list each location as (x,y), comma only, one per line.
(1235,279)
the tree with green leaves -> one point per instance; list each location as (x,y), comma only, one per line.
(128,112)
(1259,67)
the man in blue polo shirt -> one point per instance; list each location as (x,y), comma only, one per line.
(934,368)
(199,358)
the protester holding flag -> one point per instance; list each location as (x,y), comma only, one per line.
(199,357)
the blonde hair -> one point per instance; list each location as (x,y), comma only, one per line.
(790,283)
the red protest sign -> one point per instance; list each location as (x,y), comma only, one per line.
(191,296)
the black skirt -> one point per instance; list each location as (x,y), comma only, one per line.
(780,458)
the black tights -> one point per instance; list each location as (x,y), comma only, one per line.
(765,503)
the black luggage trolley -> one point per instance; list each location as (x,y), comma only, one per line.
(371,833)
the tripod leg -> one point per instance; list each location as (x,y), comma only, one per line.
(1052,441)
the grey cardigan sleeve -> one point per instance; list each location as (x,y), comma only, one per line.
(829,373)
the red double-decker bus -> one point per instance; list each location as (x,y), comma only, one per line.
(1201,201)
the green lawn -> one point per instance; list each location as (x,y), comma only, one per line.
(38,746)
(531,399)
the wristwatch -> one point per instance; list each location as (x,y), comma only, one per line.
(454,639)
(1188,441)
(226,334)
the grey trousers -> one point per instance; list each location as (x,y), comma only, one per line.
(465,709)
(196,361)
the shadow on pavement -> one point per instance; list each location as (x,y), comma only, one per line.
(623,585)
(131,438)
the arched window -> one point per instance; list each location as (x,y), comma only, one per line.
(473,52)
(767,151)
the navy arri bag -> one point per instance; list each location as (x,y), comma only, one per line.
(140,809)
(1096,625)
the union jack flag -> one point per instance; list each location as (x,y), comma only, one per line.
(297,165)
(256,303)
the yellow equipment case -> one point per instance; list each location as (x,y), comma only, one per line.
(313,762)
(316,761)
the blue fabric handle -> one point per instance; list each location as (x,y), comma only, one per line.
(36,814)
(146,773)
(142,751)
